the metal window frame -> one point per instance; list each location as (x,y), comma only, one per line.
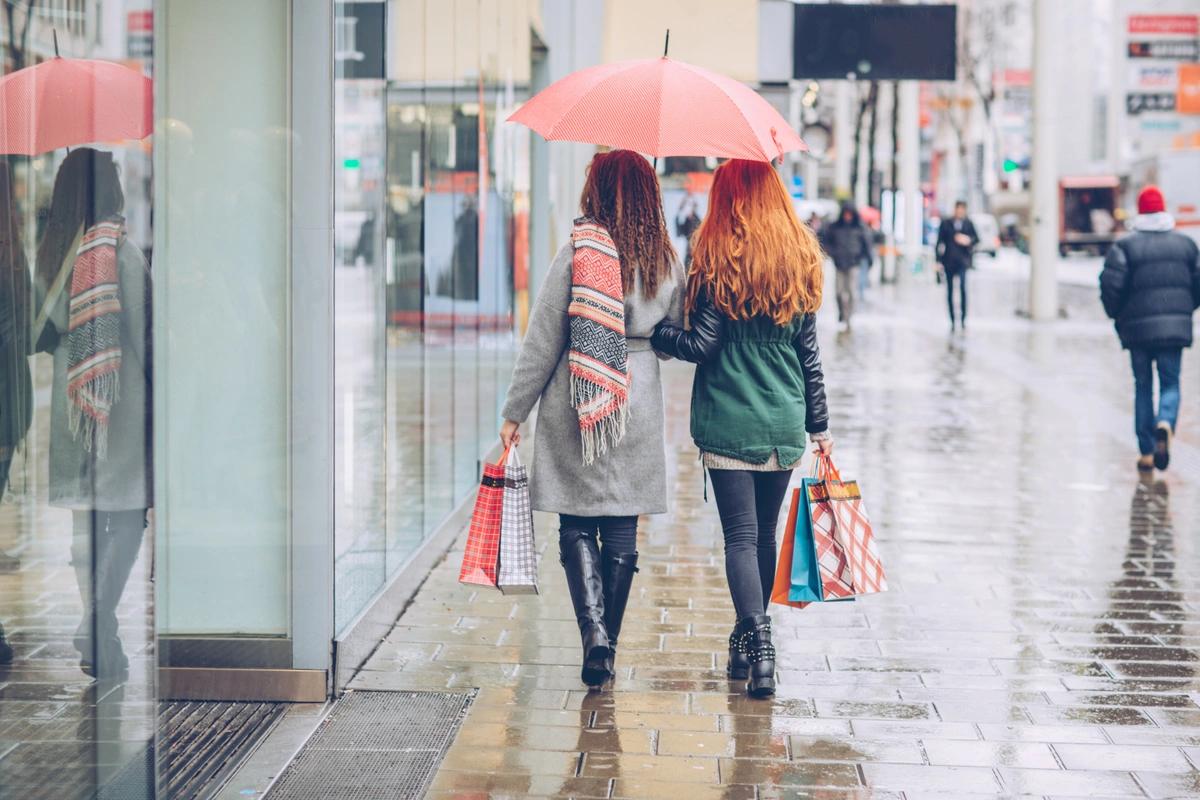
(311,328)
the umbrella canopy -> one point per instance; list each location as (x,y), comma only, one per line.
(660,107)
(72,101)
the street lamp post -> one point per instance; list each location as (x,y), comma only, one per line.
(1043,278)
(910,170)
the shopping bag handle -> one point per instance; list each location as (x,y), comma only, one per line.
(513,457)
(824,469)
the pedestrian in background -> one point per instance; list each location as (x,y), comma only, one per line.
(955,247)
(1150,286)
(848,243)
(686,223)
(599,457)
(93,289)
(752,293)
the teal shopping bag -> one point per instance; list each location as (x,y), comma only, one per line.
(806,575)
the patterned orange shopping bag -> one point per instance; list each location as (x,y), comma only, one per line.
(483,539)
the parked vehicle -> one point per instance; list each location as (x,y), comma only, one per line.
(1087,221)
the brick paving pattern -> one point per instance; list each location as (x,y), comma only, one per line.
(1040,637)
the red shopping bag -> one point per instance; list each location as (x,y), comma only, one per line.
(845,541)
(483,539)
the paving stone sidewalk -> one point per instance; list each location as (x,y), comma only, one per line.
(1041,636)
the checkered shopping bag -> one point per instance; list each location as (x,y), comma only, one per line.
(852,530)
(518,556)
(483,539)
(846,552)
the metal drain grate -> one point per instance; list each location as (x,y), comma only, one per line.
(375,746)
(199,745)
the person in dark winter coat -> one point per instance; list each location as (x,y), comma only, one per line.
(759,393)
(848,243)
(1150,286)
(955,245)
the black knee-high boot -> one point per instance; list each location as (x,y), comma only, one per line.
(618,581)
(580,557)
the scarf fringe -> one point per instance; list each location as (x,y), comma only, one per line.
(599,433)
(102,391)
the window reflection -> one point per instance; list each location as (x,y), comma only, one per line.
(445,267)
(77,708)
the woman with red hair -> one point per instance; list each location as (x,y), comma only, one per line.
(752,292)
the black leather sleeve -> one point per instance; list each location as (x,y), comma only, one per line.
(700,342)
(816,416)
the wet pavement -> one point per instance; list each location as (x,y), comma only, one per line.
(1041,636)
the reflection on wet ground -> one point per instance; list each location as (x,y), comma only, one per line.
(1040,637)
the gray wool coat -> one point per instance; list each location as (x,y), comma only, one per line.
(122,481)
(631,478)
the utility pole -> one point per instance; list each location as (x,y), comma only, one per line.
(1043,277)
(843,138)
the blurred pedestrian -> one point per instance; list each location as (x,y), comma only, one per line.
(1150,286)
(955,246)
(599,459)
(815,222)
(93,289)
(752,293)
(848,242)
(686,223)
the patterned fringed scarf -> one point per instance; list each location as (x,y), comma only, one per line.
(598,355)
(94,335)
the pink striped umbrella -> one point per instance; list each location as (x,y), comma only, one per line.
(660,107)
(72,101)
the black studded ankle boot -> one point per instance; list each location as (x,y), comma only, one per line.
(760,653)
(580,557)
(739,666)
(618,581)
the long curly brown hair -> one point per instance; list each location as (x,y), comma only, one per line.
(752,253)
(622,194)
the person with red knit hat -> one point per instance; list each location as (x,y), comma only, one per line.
(1150,287)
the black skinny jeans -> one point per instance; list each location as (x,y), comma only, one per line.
(749,505)
(618,535)
(959,275)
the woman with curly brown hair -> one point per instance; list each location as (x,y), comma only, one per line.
(599,460)
(752,292)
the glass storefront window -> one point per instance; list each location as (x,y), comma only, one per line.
(435,352)
(77,658)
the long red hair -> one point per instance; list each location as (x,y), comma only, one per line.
(752,253)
